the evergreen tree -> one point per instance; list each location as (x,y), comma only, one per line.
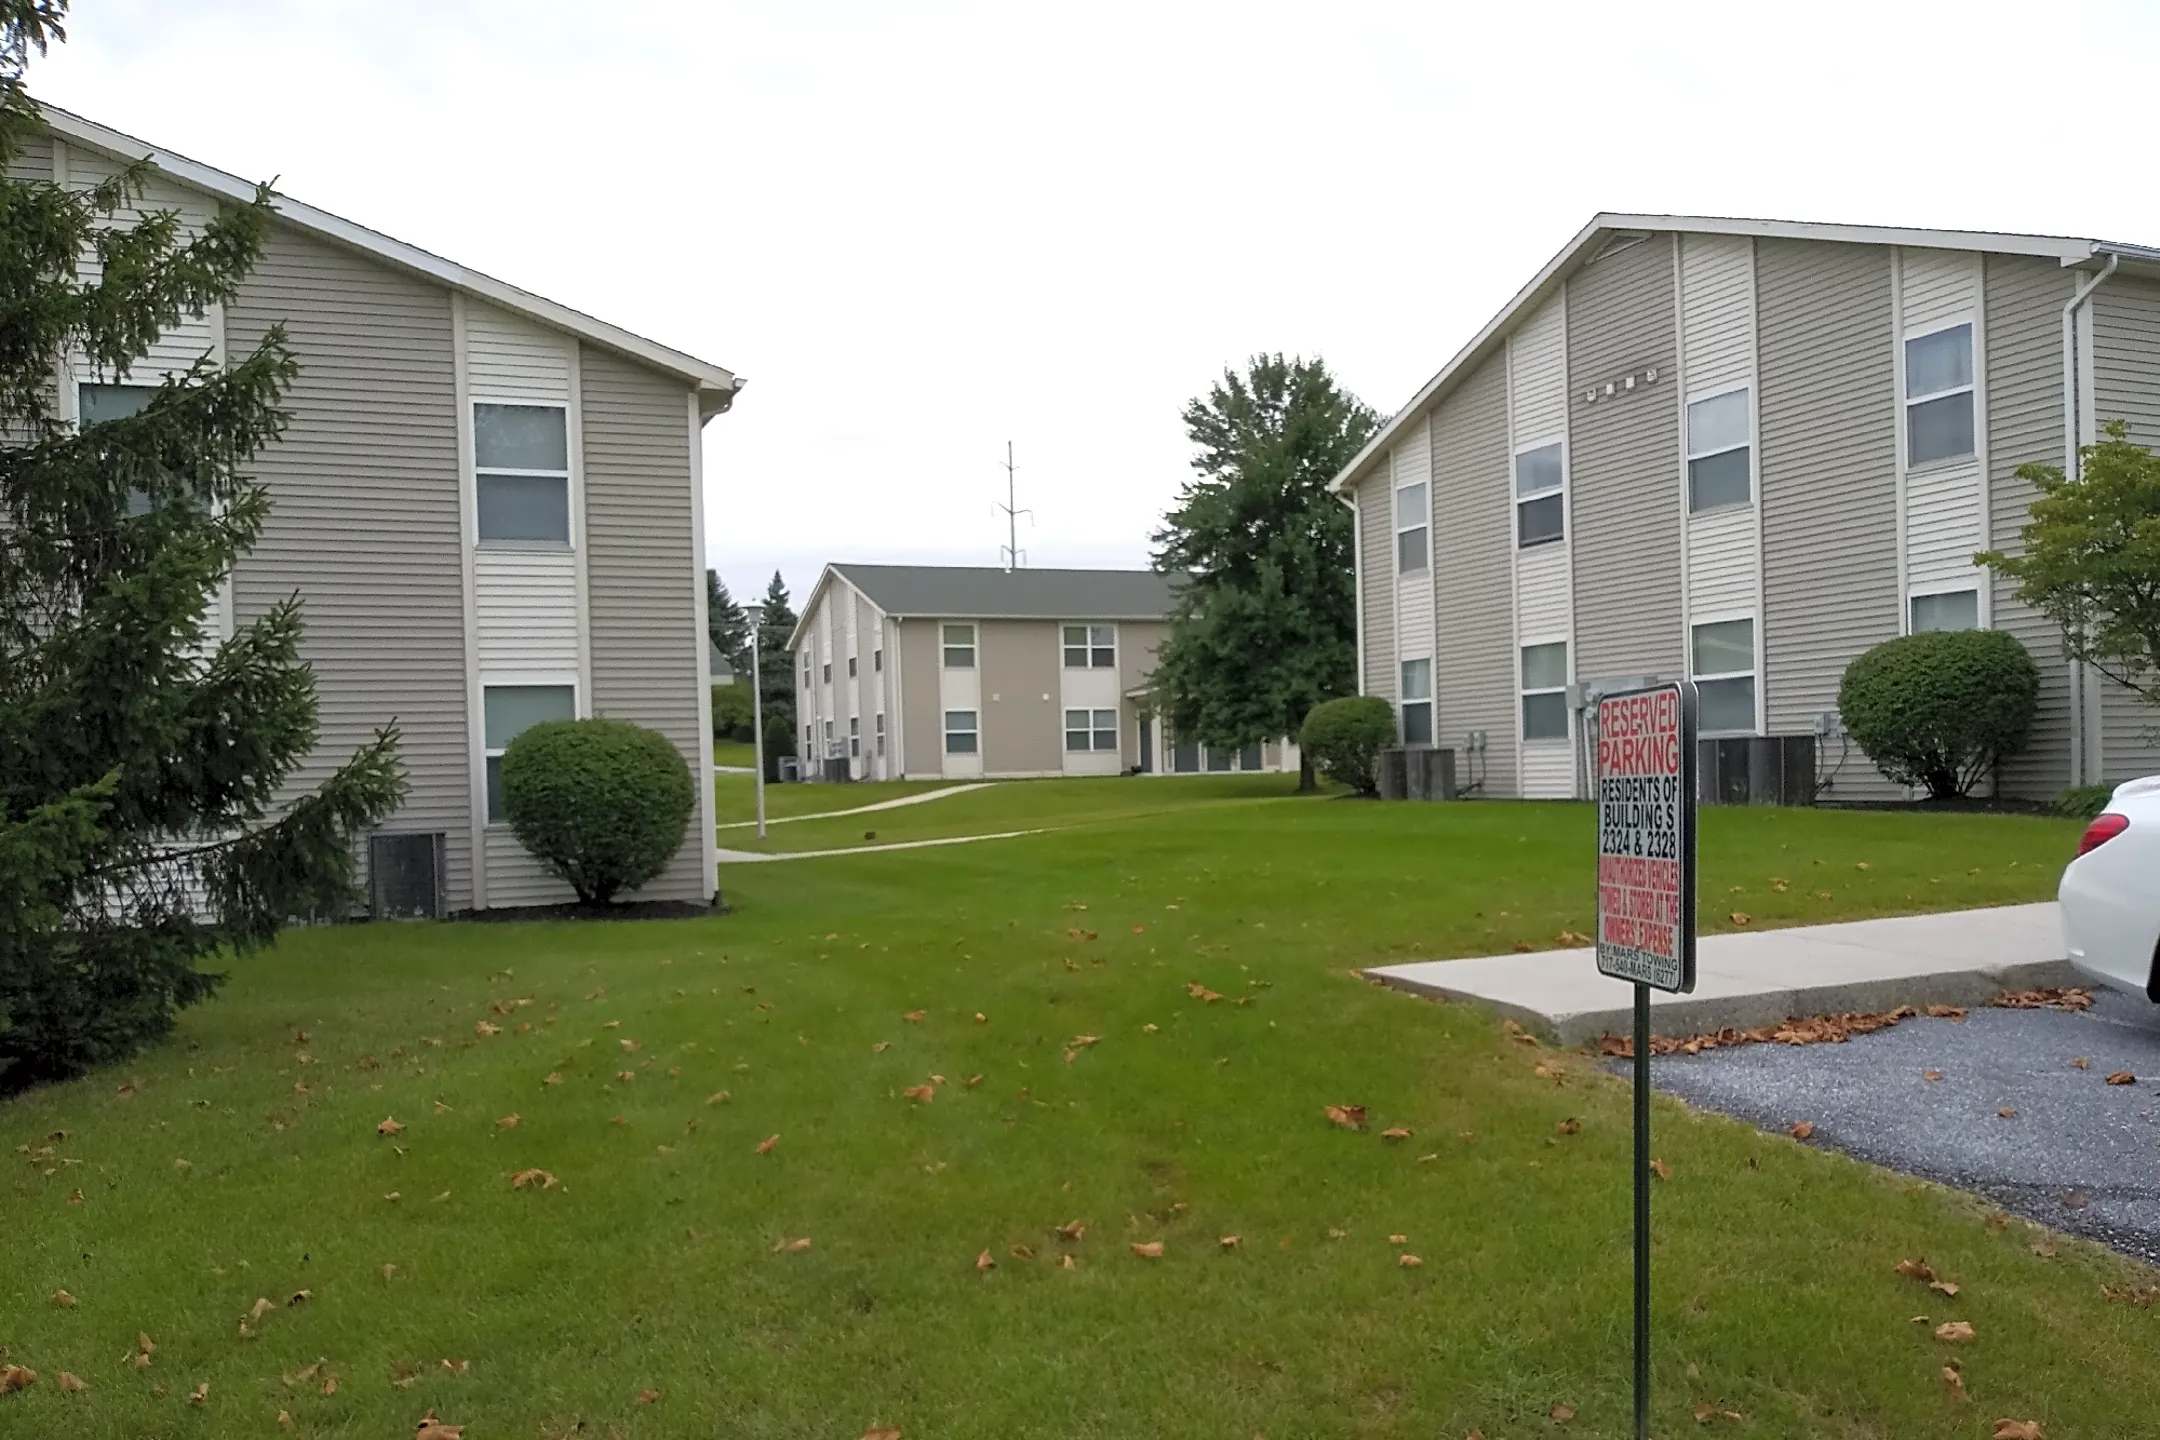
(726,624)
(1266,627)
(141,830)
(776,622)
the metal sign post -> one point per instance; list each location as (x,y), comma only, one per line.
(1645,772)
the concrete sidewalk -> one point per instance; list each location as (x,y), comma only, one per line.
(1959,958)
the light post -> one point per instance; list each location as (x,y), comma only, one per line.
(757,710)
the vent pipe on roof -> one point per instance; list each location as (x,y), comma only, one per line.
(1013,556)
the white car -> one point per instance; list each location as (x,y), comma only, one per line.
(2111,892)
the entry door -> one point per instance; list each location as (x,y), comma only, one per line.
(1147,746)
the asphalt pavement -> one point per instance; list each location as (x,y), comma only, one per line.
(2076,1153)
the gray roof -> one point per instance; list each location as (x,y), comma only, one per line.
(983,593)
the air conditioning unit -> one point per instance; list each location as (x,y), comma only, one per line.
(406,875)
(1756,770)
(1391,773)
(1429,773)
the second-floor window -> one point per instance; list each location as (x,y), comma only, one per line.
(521,473)
(1091,647)
(1413,529)
(1540,504)
(96,404)
(959,648)
(1720,467)
(1939,396)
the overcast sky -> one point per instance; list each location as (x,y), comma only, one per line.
(923,230)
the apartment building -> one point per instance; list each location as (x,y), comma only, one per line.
(490,505)
(963,673)
(1743,452)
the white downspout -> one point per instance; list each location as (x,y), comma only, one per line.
(1357,571)
(2072,402)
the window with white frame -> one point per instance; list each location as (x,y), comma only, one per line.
(1090,730)
(521,473)
(879,726)
(959,654)
(1091,647)
(1724,663)
(851,667)
(1417,718)
(1540,501)
(1720,461)
(806,666)
(96,404)
(508,711)
(825,670)
(832,743)
(854,737)
(1544,691)
(1413,529)
(1948,610)
(963,734)
(877,659)
(1939,395)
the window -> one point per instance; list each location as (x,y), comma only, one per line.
(1939,396)
(1544,691)
(960,655)
(1220,759)
(851,667)
(806,670)
(880,727)
(826,673)
(1413,534)
(1540,508)
(1417,727)
(832,746)
(521,465)
(854,737)
(1719,467)
(1952,610)
(95,404)
(1091,647)
(1725,676)
(1090,730)
(961,732)
(877,659)
(1249,758)
(506,712)
(809,739)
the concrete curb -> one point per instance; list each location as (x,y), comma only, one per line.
(1693,1015)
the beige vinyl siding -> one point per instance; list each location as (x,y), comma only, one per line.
(1473,549)
(364,521)
(1717,287)
(525,611)
(1945,518)
(1138,641)
(1022,731)
(1624,455)
(923,728)
(1411,464)
(511,358)
(1376,541)
(642,576)
(1829,463)
(1537,358)
(868,688)
(194,336)
(1722,572)
(2126,386)
(2025,425)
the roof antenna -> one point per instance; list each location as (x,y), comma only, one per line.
(1011,553)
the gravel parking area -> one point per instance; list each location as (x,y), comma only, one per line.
(2072,1152)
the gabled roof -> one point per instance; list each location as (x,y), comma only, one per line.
(981,592)
(1606,228)
(716,385)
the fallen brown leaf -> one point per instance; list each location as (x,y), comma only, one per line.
(485,1028)
(508,1122)
(260,1308)
(64,1300)
(69,1381)
(200,1395)
(2082,1062)
(1230,1242)
(646,1397)
(1561,1414)
(434,1429)
(16,1377)
(1200,992)
(986,1261)
(2065,997)
(1660,1169)
(1350,1117)
(881,1432)
(1396,1132)
(1569,1126)
(1948,1287)
(2008,1112)
(2018,1430)
(915,1017)
(1916,1269)
(1945,1012)
(1066,1262)
(1072,1230)
(1803,1130)
(1408,1262)
(765,1146)
(1954,1332)
(923,1093)
(1931,1074)
(1148,1250)
(2122,1077)
(1955,1381)
(388,1127)
(785,1246)
(524,1178)
(718,1097)
(1741,917)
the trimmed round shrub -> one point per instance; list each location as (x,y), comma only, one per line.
(1343,738)
(602,803)
(1941,709)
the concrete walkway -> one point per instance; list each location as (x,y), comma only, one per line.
(757,857)
(860,809)
(1745,980)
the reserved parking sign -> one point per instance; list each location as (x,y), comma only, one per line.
(1646,836)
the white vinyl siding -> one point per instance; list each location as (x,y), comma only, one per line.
(193,336)
(1722,575)
(1410,468)
(1942,423)
(511,358)
(1717,337)
(1543,593)
(525,610)
(1537,410)
(1717,288)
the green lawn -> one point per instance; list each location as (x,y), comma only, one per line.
(652,1263)
(736,753)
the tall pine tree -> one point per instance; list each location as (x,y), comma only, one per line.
(141,775)
(1267,626)
(776,622)
(727,625)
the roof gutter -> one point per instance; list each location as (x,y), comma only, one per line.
(2073,431)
